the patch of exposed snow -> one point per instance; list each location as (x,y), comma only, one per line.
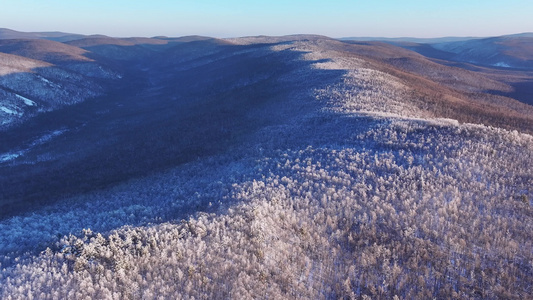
(45,80)
(502,65)
(49,82)
(26,100)
(47,137)
(9,156)
(9,111)
(5,157)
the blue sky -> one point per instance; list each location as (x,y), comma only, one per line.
(387,18)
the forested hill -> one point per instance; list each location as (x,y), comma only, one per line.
(296,167)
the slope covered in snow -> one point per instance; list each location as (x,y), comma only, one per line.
(272,167)
(40,75)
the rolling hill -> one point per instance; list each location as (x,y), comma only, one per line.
(6,33)
(505,52)
(508,51)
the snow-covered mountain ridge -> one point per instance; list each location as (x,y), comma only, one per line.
(296,167)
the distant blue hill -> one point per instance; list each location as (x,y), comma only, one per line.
(449,39)
(53,35)
(410,39)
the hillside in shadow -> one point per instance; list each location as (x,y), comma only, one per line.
(160,115)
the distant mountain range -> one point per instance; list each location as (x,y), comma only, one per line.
(428,40)
(67,37)
(410,39)
(53,36)
(508,51)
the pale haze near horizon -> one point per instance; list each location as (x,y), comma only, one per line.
(385,18)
